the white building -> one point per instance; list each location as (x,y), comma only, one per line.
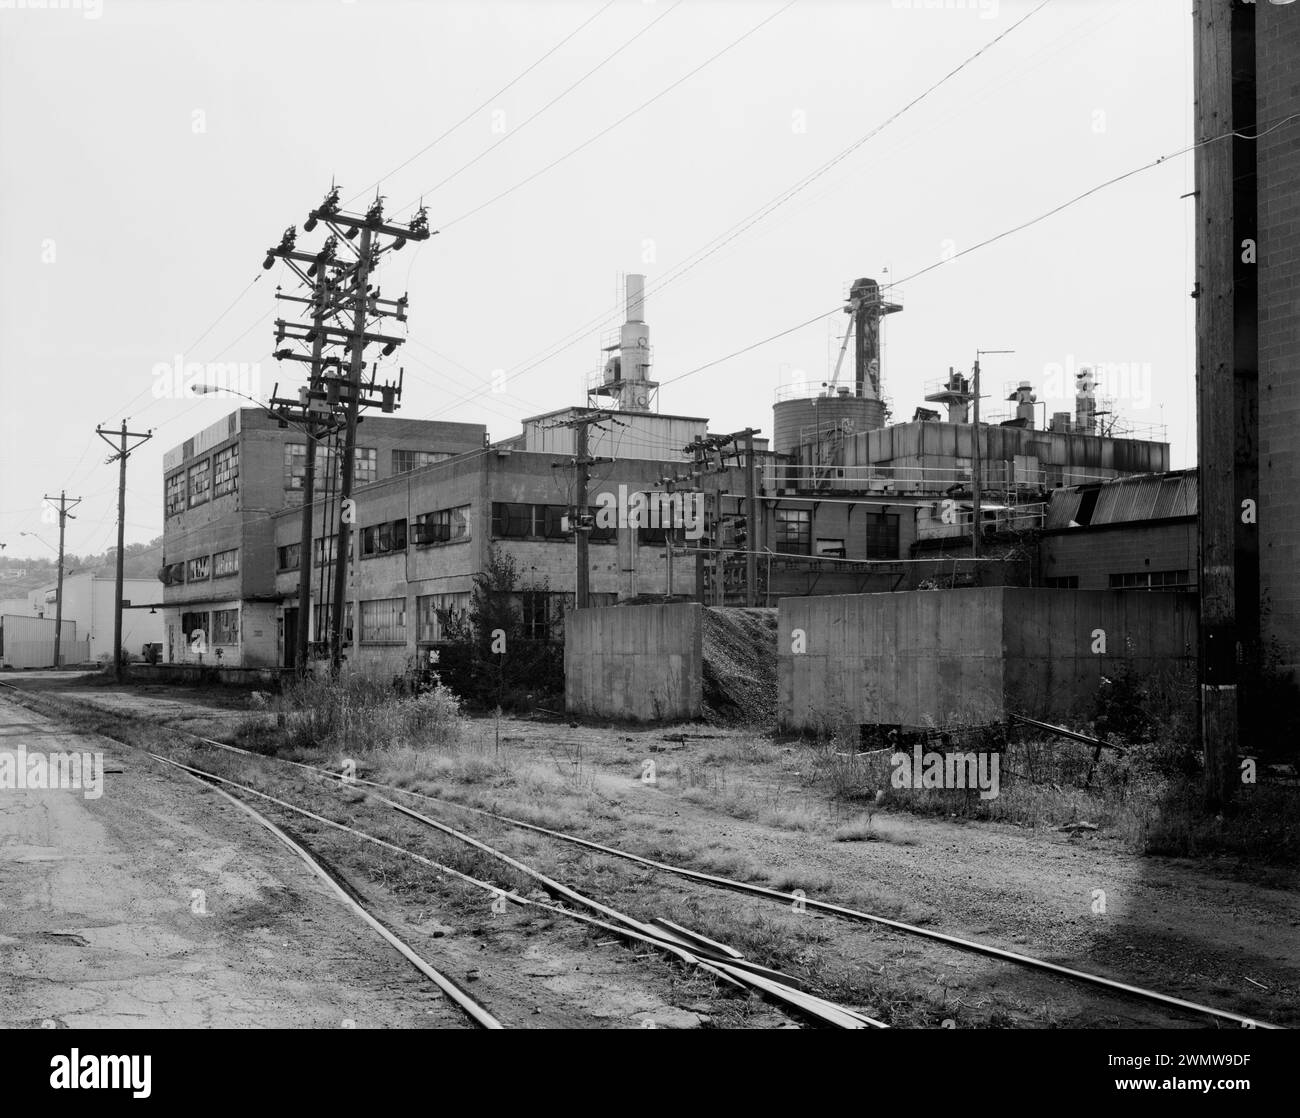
(88,600)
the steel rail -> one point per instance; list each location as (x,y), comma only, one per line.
(808,902)
(736,972)
(475,1011)
(989,950)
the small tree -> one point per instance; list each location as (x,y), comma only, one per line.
(490,661)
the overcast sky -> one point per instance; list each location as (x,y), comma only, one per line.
(151,151)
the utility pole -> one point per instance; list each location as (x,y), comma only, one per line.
(58,601)
(976,448)
(122,453)
(700,448)
(348,289)
(755,533)
(582,463)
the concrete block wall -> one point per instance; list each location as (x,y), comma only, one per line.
(636,662)
(1277,93)
(892,659)
(1058,645)
(948,657)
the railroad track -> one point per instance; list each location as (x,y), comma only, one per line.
(717,960)
(705,953)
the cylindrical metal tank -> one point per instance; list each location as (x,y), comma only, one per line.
(809,414)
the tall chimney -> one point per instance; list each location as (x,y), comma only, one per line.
(636,298)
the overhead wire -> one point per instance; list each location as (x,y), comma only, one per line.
(736,230)
(479,108)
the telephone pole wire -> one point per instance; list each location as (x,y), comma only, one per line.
(64,505)
(122,453)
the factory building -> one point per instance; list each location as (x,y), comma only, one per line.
(850,505)
(226,491)
(841,503)
(431,501)
(1136,533)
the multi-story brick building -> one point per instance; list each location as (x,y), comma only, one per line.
(224,492)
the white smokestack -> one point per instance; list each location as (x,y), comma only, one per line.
(636,298)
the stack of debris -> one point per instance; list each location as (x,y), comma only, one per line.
(740,665)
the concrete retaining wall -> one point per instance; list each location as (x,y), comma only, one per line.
(946,657)
(637,662)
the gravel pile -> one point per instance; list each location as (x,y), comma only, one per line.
(740,665)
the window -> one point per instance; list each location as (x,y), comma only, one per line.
(510,521)
(225,563)
(225,470)
(1151,580)
(322,615)
(443,526)
(172,574)
(194,626)
(383,621)
(1062,582)
(225,626)
(536,615)
(324,550)
(882,535)
(794,531)
(599,534)
(197,570)
(381,539)
(295,464)
(200,482)
(404,461)
(175,497)
(432,612)
(365,467)
(289,557)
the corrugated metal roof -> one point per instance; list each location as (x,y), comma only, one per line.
(1147,497)
(1062,508)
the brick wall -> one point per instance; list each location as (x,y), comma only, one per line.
(1093,555)
(1277,49)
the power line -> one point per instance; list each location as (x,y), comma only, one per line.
(997,237)
(554,100)
(724,238)
(479,108)
(626,116)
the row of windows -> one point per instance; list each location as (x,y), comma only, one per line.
(329,463)
(206,628)
(512,521)
(383,620)
(1152,580)
(794,535)
(1140,580)
(201,568)
(212,477)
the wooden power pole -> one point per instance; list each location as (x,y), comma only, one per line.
(122,453)
(343,295)
(58,601)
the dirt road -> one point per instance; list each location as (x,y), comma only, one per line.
(158,904)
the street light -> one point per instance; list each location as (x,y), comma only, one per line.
(44,541)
